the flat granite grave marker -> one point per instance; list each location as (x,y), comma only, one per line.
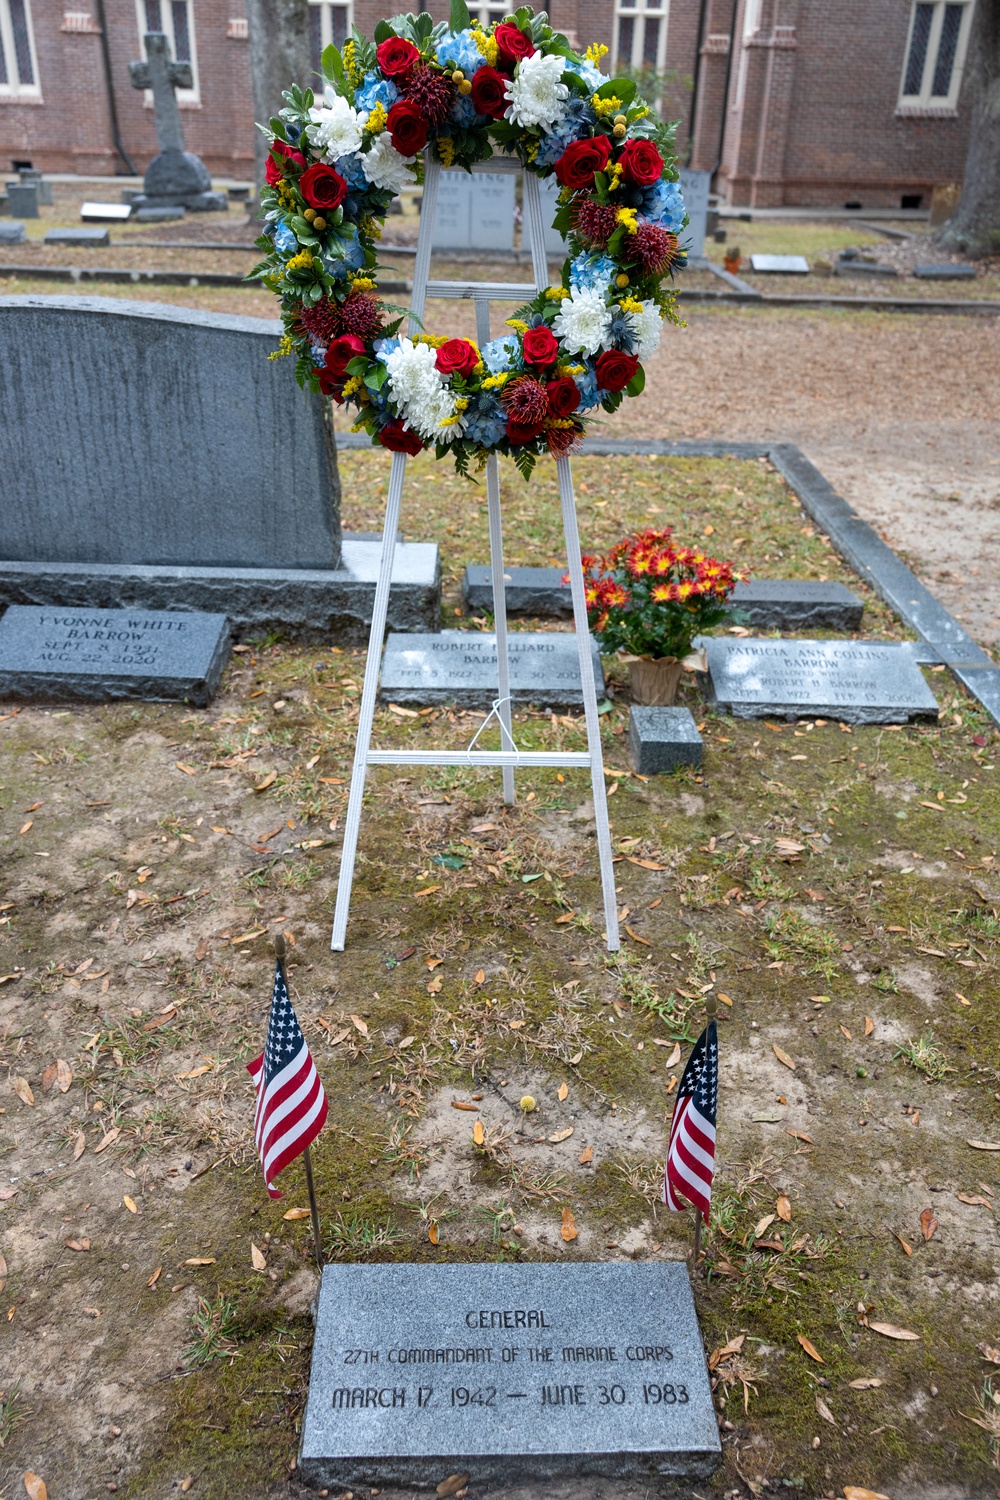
(90,237)
(105,213)
(460,666)
(859,682)
(96,655)
(782,265)
(946,271)
(508,1372)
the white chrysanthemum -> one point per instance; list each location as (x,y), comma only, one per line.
(336,127)
(418,390)
(384,167)
(537,94)
(647,327)
(582,321)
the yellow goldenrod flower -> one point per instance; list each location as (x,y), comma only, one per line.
(376,119)
(446,150)
(354,384)
(359,427)
(487,46)
(556,293)
(626,217)
(301,262)
(285,347)
(531,150)
(605,107)
(496,382)
(517,325)
(595,52)
(448,422)
(461,403)
(630,304)
(371,227)
(362,284)
(351,67)
(641,112)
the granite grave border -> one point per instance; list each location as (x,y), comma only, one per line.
(858,543)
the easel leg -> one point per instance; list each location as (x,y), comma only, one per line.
(368,697)
(593,723)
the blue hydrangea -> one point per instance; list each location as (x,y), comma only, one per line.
(591,393)
(374,90)
(384,347)
(344,255)
(663,204)
(503,354)
(284,239)
(351,168)
(591,272)
(463,112)
(459,48)
(486,421)
(592,77)
(578,120)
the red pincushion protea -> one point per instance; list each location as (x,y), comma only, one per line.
(433,92)
(654,248)
(322,321)
(595,222)
(562,439)
(526,401)
(361,314)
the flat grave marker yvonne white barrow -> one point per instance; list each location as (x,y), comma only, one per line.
(506,1372)
(860,682)
(96,655)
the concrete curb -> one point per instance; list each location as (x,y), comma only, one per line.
(871,558)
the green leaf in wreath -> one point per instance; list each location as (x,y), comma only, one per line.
(622,89)
(383,31)
(637,384)
(459,17)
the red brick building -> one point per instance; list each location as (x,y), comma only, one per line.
(787,102)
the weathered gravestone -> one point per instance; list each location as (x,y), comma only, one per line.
(695,187)
(475,211)
(506,1372)
(946,271)
(90,237)
(166,463)
(175,177)
(96,655)
(460,666)
(859,682)
(22,200)
(663,739)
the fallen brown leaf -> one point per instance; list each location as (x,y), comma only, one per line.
(869,1025)
(566,917)
(478,1133)
(200,1260)
(22,1089)
(853,1492)
(810,1348)
(188,770)
(988,1352)
(800,1135)
(984,1145)
(432,1231)
(464,1104)
(783,1209)
(890,1331)
(479,977)
(268,780)
(635,936)
(155,1277)
(83,1244)
(928,1224)
(644,864)
(726,1351)
(452,1485)
(866,1383)
(825,1411)
(782,1057)
(586,1156)
(908,1249)
(295,1213)
(130,1204)
(975,1199)
(79,1145)
(360,1025)
(569,1230)
(427,890)
(434,985)
(257,1258)
(64,1075)
(562,1091)
(35,1487)
(763,1224)
(561,1135)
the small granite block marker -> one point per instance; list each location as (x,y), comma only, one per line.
(12,234)
(860,682)
(22,200)
(90,237)
(948,271)
(528,591)
(460,666)
(97,655)
(508,1372)
(662,739)
(794,604)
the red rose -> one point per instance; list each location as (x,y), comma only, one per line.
(581,159)
(641,163)
(614,369)
(396,56)
(332,385)
(512,43)
(274,171)
(340,353)
(457,357)
(541,348)
(407,127)
(519,433)
(400,439)
(322,187)
(489,93)
(563,396)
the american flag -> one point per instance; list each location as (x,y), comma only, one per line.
(691,1153)
(291,1104)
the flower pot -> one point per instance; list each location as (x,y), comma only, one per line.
(655,681)
(732,264)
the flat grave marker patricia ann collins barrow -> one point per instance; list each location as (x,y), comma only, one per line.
(506,1371)
(860,682)
(48,653)
(460,666)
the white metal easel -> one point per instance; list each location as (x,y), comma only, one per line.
(508,758)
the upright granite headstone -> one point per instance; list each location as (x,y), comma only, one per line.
(695,187)
(508,1373)
(96,655)
(460,666)
(860,682)
(170,464)
(175,177)
(475,211)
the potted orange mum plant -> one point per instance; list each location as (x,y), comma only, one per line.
(648,598)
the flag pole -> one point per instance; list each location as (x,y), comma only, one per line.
(711,1011)
(279,954)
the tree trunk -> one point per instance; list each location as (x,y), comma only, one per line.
(279,57)
(974,229)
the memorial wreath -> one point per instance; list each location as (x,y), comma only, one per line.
(464,91)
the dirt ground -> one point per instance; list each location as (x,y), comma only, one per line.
(840,895)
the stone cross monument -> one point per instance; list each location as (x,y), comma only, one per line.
(175,178)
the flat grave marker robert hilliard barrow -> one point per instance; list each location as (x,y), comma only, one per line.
(506,1372)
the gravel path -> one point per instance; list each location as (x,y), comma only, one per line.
(900,413)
